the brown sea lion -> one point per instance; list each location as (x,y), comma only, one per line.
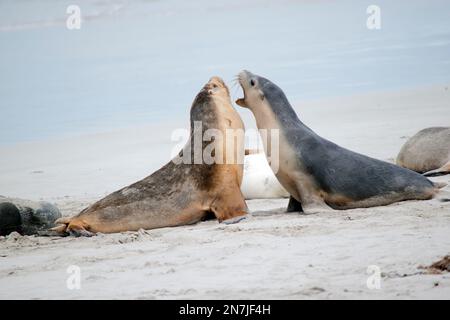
(181,192)
(427,152)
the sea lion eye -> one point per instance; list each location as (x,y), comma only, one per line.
(252,82)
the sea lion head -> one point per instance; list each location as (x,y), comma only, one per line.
(215,123)
(259,92)
(212,101)
(214,89)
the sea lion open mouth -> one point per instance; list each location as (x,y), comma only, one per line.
(241,78)
(241,102)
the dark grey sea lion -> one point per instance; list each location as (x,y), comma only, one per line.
(427,152)
(318,173)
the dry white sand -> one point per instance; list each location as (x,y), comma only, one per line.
(270,255)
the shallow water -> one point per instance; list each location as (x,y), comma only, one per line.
(142,62)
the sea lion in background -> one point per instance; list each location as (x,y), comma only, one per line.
(27,217)
(427,152)
(259,182)
(178,193)
(317,173)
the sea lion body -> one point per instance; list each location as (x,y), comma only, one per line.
(178,193)
(427,152)
(316,172)
(259,182)
(35,217)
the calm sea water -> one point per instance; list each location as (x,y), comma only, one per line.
(139,62)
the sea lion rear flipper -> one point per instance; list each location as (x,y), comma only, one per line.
(64,220)
(73,226)
(294,205)
(229,204)
(445,169)
(61,228)
(439,185)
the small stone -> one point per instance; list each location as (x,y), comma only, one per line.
(14,236)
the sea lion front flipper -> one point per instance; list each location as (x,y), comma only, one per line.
(311,201)
(294,205)
(445,169)
(229,204)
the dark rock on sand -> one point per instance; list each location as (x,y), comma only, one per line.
(10,219)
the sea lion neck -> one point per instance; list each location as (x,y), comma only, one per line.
(206,113)
(274,116)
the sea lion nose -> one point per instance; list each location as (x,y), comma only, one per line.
(244,74)
(212,86)
(212,89)
(216,81)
